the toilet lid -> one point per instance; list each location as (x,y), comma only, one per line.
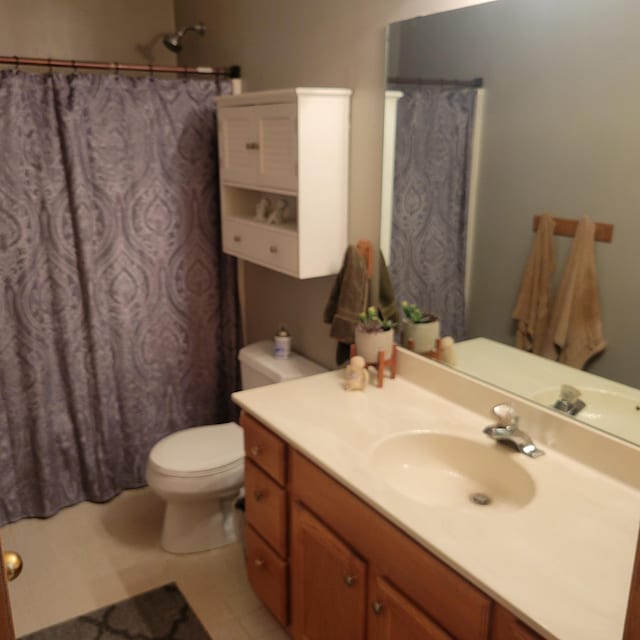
(199,449)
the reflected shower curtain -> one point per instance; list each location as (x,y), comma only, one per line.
(118,310)
(432,166)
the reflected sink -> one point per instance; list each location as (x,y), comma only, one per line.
(441,470)
(614,411)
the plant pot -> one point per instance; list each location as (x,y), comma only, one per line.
(368,345)
(423,335)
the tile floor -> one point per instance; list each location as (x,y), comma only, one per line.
(90,555)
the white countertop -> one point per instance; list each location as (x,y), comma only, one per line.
(562,563)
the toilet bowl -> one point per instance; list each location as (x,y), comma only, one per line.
(199,471)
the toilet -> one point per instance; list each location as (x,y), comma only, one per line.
(199,471)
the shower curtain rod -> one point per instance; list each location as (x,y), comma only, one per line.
(231,72)
(476,83)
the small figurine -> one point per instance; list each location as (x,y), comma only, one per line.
(262,209)
(278,215)
(357,374)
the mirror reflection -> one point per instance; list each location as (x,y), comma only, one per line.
(495,114)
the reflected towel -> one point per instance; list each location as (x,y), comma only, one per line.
(349,296)
(534,300)
(575,335)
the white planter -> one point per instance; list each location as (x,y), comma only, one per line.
(368,345)
(423,334)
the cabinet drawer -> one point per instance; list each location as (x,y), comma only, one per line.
(262,244)
(267,575)
(264,448)
(266,507)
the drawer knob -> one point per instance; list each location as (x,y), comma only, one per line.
(258,562)
(350,580)
(256,450)
(273,249)
(258,495)
(237,238)
(377,607)
(252,146)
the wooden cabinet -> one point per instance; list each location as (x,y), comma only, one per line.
(392,616)
(328,582)
(266,516)
(290,146)
(330,567)
(445,599)
(505,626)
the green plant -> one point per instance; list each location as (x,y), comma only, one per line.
(416,315)
(371,322)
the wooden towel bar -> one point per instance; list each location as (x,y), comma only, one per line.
(567,227)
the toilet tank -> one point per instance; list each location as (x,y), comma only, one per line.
(258,366)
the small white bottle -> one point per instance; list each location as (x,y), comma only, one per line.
(282,343)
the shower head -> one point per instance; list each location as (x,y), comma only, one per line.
(173,41)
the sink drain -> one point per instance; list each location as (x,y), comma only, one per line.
(481,499)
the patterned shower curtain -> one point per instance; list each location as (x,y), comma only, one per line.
(429,226)
(118,310)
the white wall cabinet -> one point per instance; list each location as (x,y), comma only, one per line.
(290,145)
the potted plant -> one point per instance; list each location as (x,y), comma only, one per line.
(423,329)
(373,334)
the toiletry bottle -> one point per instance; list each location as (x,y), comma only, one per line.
(282,343)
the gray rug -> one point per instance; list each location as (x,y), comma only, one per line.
(160,614)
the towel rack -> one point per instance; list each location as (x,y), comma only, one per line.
(567,227)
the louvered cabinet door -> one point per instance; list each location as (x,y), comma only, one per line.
(277,147)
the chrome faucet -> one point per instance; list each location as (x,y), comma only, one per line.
(569,401)
(507,431)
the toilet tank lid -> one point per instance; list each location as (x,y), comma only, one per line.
(259,355)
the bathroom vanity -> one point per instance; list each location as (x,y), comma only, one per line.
(358,524)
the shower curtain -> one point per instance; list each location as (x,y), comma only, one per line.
(431,178)
(118,310)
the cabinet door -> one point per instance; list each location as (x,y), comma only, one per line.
(328,583)
(277,147)
(393,617)
(238,145)
(505,626)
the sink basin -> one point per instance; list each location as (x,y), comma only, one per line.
(449,471)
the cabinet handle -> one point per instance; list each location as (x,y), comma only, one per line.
(377,607)
(258,562)
(256,450)
(350,580)
(273,249)
(252,146)
(258,495)
(237,238)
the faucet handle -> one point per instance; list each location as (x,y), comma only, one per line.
(505,415)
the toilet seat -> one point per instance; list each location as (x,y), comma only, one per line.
(199,451)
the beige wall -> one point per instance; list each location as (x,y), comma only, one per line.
(112,30)
(287,43)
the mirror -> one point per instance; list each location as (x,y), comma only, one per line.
(557,133)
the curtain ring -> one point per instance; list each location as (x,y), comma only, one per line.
(16,63)
(50,67)
(73,66)
(151,71)
(116,67)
